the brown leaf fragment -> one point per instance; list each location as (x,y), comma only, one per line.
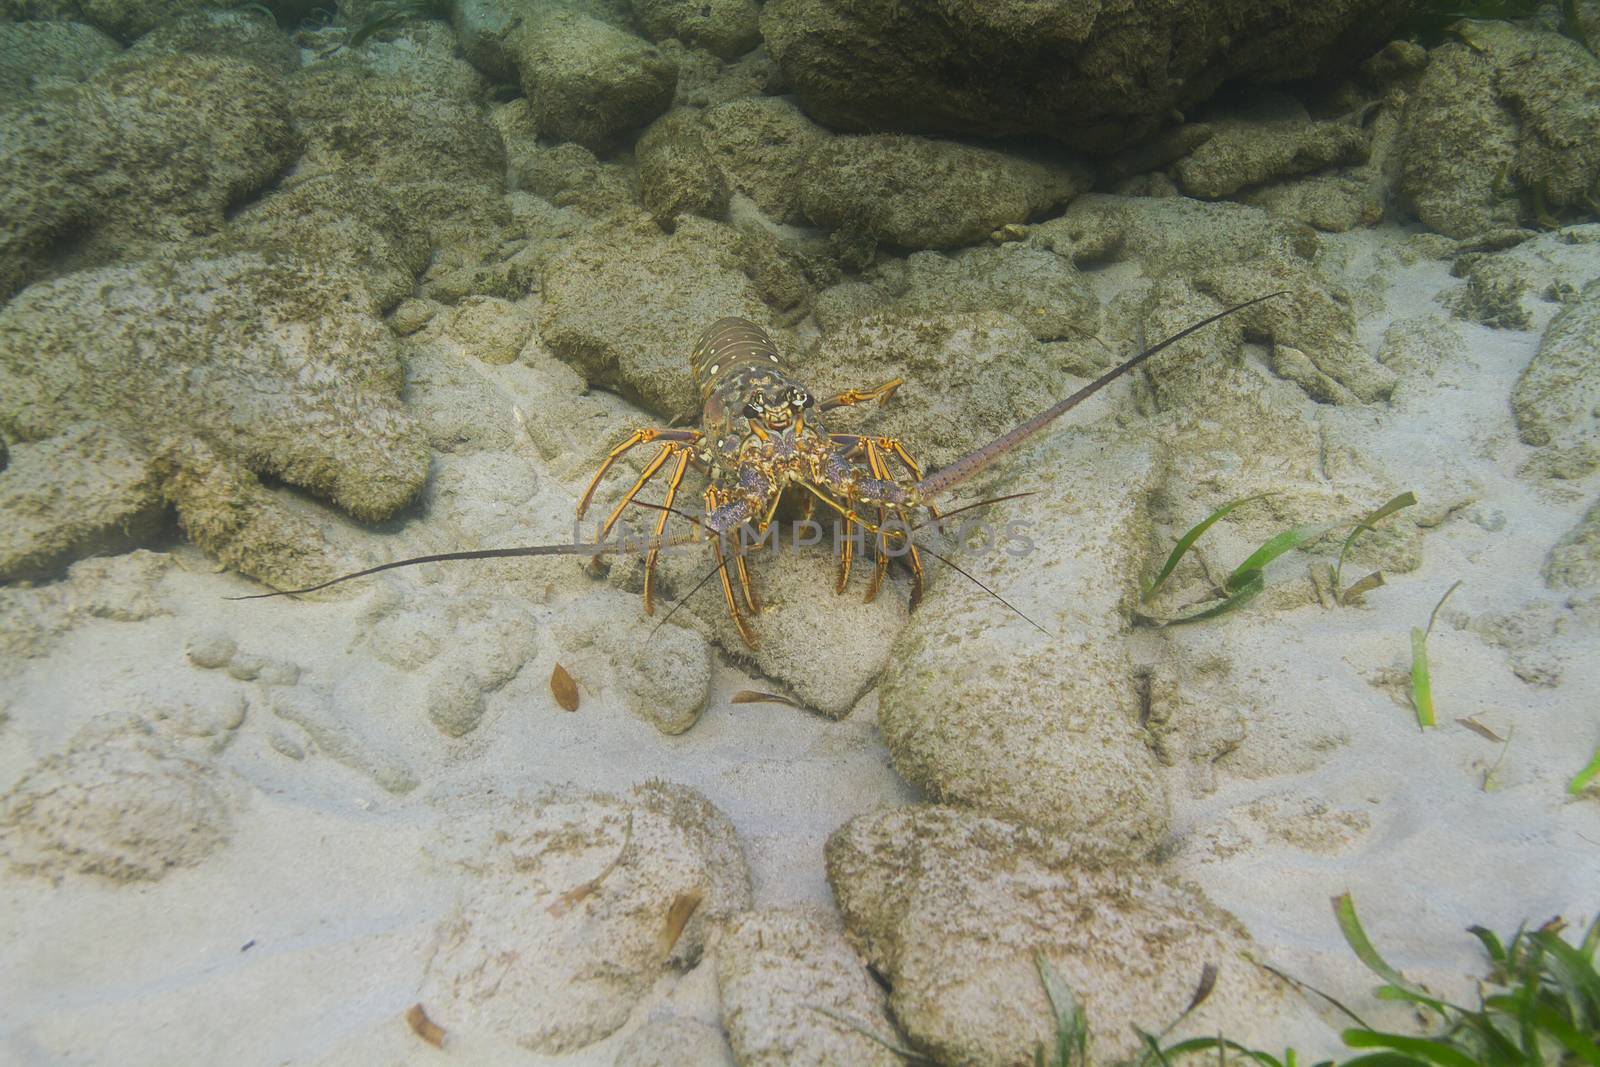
(678,916)
(1362,587)
(563,688)
(1481,730)
(755,696)
(424,1027)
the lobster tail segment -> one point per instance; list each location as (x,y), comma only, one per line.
(730,345)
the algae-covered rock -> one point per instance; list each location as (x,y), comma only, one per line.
(87,490)
(37,55)
(1504,125)
(587,79)
(433,151)
(761,145)
(725,28)
(981,709)
(775,970)
(625,303)
(140,155)
(216,372)
(121,802)
(583,884)
(922,193)
(122,19)
(968,377)
(340,220)
(1574,563)
(954,909)
(1236,253)
(247,33)
(1095,75)
(1241,154)
(1038,288)
(677,172)
(1557,399)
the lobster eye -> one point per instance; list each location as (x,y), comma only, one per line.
(751,411)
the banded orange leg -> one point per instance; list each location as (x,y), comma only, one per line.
(712,503)
(638,437)
(676,479)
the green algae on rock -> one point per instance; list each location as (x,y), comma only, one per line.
(216,372)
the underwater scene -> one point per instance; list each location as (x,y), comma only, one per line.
(686,533)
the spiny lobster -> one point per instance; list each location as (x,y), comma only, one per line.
(761,433)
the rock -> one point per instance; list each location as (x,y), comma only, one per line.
(1097,78)
(981,709)
(1556,400)
(956,910)
(625,304)
(969,377)
(85,491)
(119,588)
(36,55)
(587,80)
(339,220)
(922,193)
(124,21)
(662,675)
(135,158)
(571,176)
(725,28)
(234,33)
(431,148)
(216,371)
(582,884)
(490,329)
(775,970)
(1574,562)
(675,1041)
(1493,294)
(1241,154)
(762,145)
(1233,254)
(120,802)
(1505,110)
(677,172)
(1036,287)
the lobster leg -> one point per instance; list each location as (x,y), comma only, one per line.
(722,572)
(861,396)
(648,473)
(638,437)
(684,455)
(879,470)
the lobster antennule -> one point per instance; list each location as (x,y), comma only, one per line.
(976,460)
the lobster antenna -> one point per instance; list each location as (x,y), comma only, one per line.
(975,461)
(445,557)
